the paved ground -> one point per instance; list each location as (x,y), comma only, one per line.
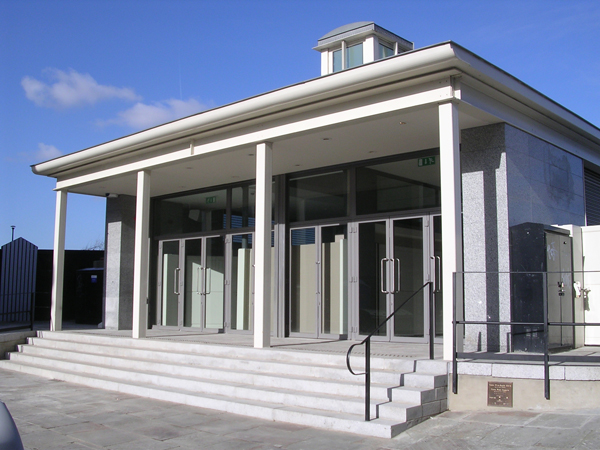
(58,415)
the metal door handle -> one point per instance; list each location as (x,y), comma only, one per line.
(176,281)
(318,263)
(381,277)
(438,274)
(394,290)
(199,280)
(209,281)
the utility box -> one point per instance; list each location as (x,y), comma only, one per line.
(537,250)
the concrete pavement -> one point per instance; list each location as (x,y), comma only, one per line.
(58,415)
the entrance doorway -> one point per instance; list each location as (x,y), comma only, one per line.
(396,257)
(191,285)
(319,281)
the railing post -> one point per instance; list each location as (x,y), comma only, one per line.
(368,380)
(546,336)
(431,322)
(454,325)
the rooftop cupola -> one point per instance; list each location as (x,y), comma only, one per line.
(358,43)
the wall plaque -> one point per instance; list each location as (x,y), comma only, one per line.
(500,394)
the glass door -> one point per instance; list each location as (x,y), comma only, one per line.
(241,284)
(191,287)
(394,259)
(319,281)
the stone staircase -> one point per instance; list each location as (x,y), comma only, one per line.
(301,387)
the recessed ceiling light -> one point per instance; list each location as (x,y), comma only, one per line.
(326,139)
(371,151)
(402,123)
(297,165)
(188,168)
(250,154)
(235,177)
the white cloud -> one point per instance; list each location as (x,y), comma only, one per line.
(69,89)
(46,152)
(142,115)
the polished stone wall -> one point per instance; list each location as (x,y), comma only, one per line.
(508,177)
(119,252)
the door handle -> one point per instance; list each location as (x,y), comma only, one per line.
(176,281)
(208,281)
(199,280)
(381,276)
(397,260)
(317,264)
(438,274)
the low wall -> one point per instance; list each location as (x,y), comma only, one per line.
(9,341)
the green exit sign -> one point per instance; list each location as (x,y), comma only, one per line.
(211,199)
(429,161)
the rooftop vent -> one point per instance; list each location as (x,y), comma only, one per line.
(358,43)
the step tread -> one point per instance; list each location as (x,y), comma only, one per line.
(358,381)
(352,420)
(278,390)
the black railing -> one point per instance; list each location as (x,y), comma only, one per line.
(367,342)
(17,311)
(547,354)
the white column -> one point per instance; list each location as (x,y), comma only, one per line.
(262,245)
(140,257)
(58,261)
(451,213)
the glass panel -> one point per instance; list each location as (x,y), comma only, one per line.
(354,56)
(170,283)
(337,60)
(303,281)
(437,252)
(397,186)
(372,302)
(192,306)
(243,210)
(191,213)
(408,260)
(319,196)
(241,275)
(215,281)
(334,280)
(385,51)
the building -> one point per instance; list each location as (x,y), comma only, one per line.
(317,209)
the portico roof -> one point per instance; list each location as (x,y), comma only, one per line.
(378,109)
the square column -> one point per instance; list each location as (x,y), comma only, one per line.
(451,214)
(262,240)
(140,257)
(58,261)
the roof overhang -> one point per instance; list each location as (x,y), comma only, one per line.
(349,105)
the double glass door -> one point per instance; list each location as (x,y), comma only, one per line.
(318,301)
(395,258)
(205,283)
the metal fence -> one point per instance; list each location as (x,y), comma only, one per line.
(526,316)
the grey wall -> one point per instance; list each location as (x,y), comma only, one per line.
(119,251)
(508,177)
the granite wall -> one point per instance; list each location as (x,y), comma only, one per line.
(119,253)
(508,177)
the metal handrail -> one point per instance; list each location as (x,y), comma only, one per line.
(367,342)
(546,324)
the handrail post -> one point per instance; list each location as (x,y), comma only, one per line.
(546,336)
(431,322)
(454,325)
(368,380)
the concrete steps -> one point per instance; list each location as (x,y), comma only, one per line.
(305,388)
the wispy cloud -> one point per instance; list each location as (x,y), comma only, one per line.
(44,152)
(143,115)
(70,89)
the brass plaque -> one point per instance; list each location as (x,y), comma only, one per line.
(500,394)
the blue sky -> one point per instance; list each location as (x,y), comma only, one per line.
(74,74)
